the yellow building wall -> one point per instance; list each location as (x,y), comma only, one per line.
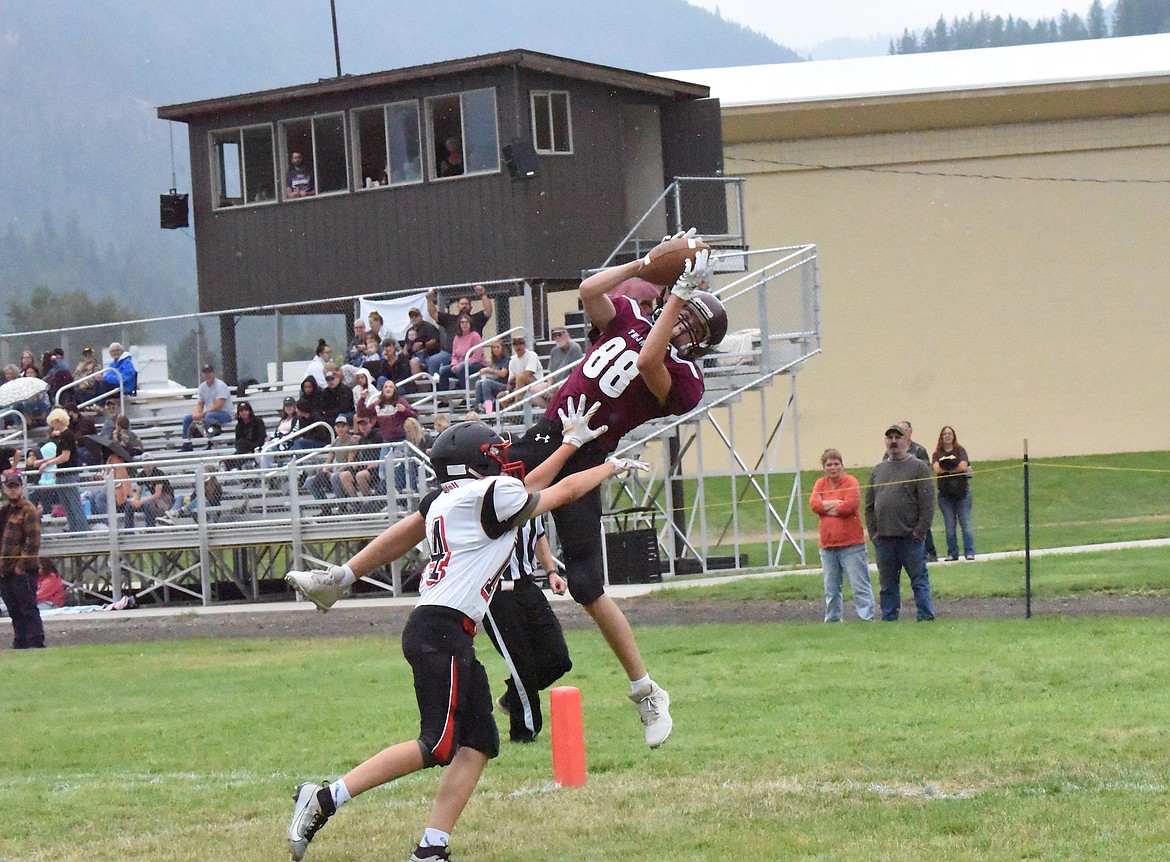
(1009,308)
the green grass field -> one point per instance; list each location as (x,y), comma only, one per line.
(962,740)
(1074,501)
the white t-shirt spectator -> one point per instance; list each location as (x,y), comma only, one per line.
(528,362)
(208,395)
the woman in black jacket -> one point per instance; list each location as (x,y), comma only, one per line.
(250,433)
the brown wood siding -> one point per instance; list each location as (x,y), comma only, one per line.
(485,227)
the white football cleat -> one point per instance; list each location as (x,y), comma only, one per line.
(654,709)
(320,587)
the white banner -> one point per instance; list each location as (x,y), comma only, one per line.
(395,320)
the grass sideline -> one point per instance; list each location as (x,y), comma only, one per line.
(961,740)
(1081,500)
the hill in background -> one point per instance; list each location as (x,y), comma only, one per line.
(86,157)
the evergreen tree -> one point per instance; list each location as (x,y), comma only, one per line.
(1141,17)
(1097,26)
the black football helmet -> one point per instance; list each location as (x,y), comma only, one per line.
(472,450)
(706,308)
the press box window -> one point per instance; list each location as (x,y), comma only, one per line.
(551,130)
(388,145)
(244,167)
(463,134)
(314,156)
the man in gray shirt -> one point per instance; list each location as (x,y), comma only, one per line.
(899,506)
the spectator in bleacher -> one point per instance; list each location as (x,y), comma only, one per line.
(88,365)
(307,415)
(390,411)
(426,341)
(417,437)
(564,353)
(466,357)
(336,397)
(328,478)
(395,364)
(213,405)
(27,360)
(129,440)
(285,425)
(36,407)
(311,392)
(50,587)
(96,500)
(56,372)
(82,426)
(442,423)
(371,355)
(189,505)
(493,377)
(152,496)
(316,366)
(11,372)
(375,325)
(66,455)
(363,389)
(120,372)
(250,434)
(523,371)
(364,477)
(111,410)
(449,324)
(357,345)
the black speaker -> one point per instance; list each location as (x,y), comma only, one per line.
(632,556)
(520,157)
(172,211)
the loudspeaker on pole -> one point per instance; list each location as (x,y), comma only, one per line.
(520,159)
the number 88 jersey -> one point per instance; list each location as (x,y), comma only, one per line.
(609,375)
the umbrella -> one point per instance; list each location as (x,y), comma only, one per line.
(110,446)
(21,389)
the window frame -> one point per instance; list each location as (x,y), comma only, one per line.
(356,144)
(432,139)
(285,154)
(216,139)
(549,96)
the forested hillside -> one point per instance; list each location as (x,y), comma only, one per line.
(86,157)
(1124,18)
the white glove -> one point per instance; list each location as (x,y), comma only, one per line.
(694,274)
(575,428)
(624,467)
(682,234)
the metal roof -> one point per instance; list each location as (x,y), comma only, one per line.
(656,85)
(940,72)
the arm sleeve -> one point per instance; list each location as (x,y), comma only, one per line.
(506,505)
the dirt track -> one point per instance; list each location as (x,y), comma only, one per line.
(353,621)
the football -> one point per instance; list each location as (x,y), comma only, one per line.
(664,264)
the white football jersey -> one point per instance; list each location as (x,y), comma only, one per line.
(471,531)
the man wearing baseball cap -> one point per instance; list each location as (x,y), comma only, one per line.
(20,548)
(899,506)
(212,409)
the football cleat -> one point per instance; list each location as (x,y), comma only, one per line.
(321,588)
(654,709)
(313,806)
(429,854)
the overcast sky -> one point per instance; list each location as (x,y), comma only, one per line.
(802,25)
